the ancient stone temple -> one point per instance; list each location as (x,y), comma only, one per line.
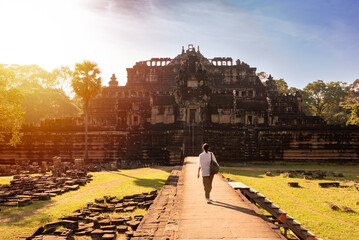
(170,106)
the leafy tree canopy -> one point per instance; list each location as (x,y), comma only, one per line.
(86,82)
(11,115)
(43,92)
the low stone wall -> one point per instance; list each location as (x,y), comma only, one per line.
(159,222)
(163,145)
(325,143)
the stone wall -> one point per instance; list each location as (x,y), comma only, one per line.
(38,146)
(327,143)
(164,145)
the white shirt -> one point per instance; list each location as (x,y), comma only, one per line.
(204,162)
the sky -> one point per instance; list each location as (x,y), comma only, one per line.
(299,41)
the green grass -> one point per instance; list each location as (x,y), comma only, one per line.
(15,222)
(5,180)
(309,204)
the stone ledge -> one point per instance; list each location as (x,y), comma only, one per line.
(160,220)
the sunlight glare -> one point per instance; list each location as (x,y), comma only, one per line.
(38,31)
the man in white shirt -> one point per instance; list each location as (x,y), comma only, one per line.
(204,162)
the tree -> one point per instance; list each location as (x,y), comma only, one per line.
(43,94)
(86,83)
(352,103)
(354,115)
(11,115)
(282,86)
(63,77)
(325,100)
(45,103)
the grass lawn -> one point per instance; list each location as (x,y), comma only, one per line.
(308,204)
(21,221)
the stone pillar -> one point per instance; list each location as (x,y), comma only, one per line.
(44,167)
(113,165)
(57,165)
(79,164)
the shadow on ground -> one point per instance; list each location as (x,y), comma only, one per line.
(156,183)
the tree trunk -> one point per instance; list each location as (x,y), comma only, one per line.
(86,126)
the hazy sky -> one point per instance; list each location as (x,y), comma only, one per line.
(300,41)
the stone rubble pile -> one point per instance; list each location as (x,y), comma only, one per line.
(55,165)
(98,220)
(24,189)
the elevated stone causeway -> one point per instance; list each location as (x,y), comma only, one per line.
(181,212)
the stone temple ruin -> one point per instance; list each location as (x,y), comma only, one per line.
(170,106)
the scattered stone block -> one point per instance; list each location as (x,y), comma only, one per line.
(154,192)
(348,210)
(111,208)
(70,224)
(133,224)
(82,233)
(129,234)
(120,209)
(74,187)
(129,209)
(108,227)
(52,225)
(97,234)
(138,217)
(334,207)
(122,229)
(42,196)
(114,201)
(150,197)
(10,204)
(293,184)
(37,231)
(108,236)
(329,184)
(52,237)
(128,218)
(72,217)
(118,221)
(95,209)
(105,222)
(99,200)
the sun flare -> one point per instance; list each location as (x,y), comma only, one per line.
(38,31)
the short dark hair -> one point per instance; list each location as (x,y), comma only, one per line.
(205,147)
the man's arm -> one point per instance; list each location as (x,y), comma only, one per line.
(199,169)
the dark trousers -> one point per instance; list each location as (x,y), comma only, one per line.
(207,184)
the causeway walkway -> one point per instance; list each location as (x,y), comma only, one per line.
(231,216)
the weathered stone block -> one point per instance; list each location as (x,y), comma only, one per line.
(122,229)
(329,184)
(108,227)
(99,200)
(97,234)
(117,221)
(129,209)
(133,224)
(70,224)
(293,184)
